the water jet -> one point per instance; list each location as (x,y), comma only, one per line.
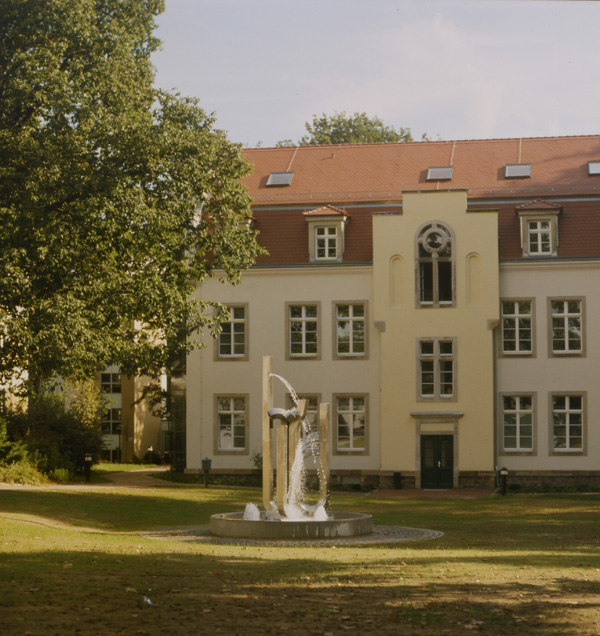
(285,514)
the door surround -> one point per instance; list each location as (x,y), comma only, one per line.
(436,423)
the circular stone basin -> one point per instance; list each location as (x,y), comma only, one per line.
(339,524)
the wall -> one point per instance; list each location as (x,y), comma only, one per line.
(469,418)
(266,291)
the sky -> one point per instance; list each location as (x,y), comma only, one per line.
(451,69)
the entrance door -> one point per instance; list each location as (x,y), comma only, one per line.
(437,461)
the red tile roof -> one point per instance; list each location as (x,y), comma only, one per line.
(381,172)
(351,177)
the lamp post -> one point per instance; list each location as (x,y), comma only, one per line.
(87,466)
(503,476)
(206,466)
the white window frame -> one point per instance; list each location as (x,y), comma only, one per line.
(310,346)
(438,364)
(521,413)
(236,326)
(352,322)
(233,412)
(539,237)
(326,243)
(515,320)
(350,417)
(574,418)
(566,320)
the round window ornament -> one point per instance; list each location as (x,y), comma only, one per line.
(435,240)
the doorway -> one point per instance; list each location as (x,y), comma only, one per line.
(437,461)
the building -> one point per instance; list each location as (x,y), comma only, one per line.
(130,427)
(443,297)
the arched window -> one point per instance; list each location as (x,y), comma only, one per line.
(435,266)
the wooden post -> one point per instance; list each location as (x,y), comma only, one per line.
(281,466)
(324,452)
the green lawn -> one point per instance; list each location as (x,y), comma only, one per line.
(71,561)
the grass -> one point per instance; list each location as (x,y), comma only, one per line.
(113,467)
(71,561)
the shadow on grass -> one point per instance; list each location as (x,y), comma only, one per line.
(68,592)
(125,510)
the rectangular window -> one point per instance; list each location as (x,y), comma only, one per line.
(567,423)
(231,423)
(303,325)
(232,339)
(567,326)
(326,243)
(350,334)
(110,421)
(539,237)
(517,422)
(517,327)
(110,382)
(436,369)
(351,418)
(312,409)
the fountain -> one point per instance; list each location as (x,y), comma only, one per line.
(285,514)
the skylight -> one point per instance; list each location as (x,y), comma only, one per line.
(518,171)
(280,178)
(593,168)
(439,173)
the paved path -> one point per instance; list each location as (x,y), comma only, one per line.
(451,493)
(143,479)
(134,479)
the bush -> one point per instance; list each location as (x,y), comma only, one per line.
(60,475)
(10,450)
(21,472)
(58,431)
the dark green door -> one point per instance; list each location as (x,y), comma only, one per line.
(437,461)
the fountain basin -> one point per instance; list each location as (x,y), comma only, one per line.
(339,524)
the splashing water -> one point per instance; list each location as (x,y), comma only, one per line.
(308,447)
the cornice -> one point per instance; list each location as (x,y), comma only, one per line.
(547,265)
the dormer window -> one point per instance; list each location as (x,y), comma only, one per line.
(326,238)
(539,237)
(539,228)
(326,234)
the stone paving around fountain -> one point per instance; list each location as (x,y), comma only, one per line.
(379,535)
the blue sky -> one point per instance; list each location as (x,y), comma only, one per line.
(469,69)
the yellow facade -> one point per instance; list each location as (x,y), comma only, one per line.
(468,415)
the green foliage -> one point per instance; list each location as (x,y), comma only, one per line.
(115,197)
(256,458)
(60,475)
(358,128)
(22,471)
(59,431)
(11,451)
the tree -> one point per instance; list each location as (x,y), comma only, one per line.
(115,198)
(341,128)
